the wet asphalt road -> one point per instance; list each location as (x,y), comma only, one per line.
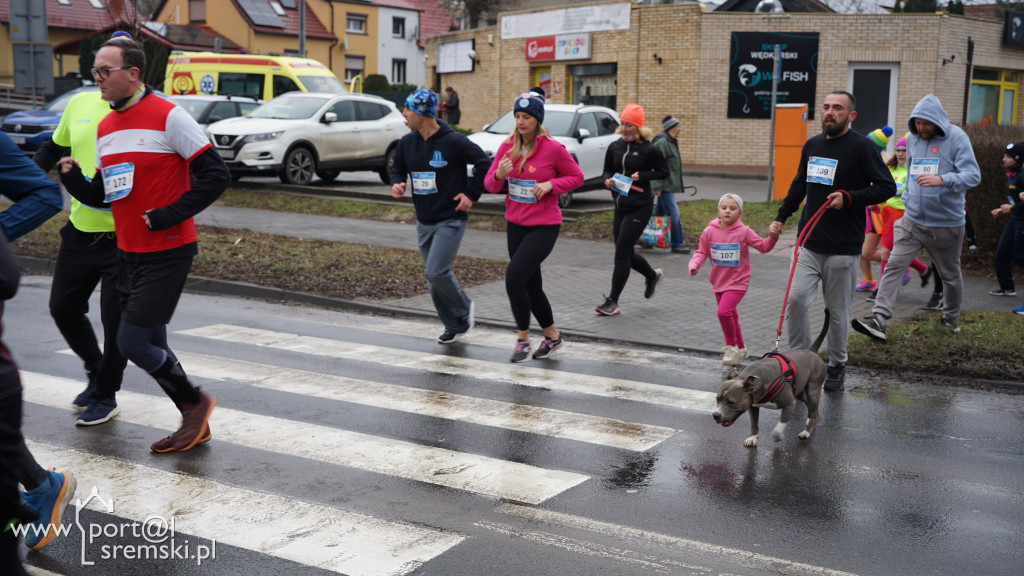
(358,445)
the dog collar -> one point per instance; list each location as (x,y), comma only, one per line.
(788,376)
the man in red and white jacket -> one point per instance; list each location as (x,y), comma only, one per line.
(146,150)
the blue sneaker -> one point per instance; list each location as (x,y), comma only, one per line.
(81,402)
(99,411)
(1019,310)
(49,500)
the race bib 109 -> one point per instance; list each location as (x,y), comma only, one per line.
(821,170)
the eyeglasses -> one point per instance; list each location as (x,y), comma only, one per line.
(104,73)
(901,150)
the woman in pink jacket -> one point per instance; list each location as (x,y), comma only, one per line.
(538,169)
(726,241)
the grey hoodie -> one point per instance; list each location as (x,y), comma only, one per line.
(939,206)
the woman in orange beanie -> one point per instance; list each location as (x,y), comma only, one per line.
(629,166)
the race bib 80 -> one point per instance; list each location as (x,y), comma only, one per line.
(919,166)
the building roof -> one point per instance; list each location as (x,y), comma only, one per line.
(787,6)
(434,19)
(406,4)
(262,18)
(80,14)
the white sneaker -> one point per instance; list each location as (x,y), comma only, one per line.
(740,356)
(729,354)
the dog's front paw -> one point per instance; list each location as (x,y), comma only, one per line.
(804,435)
(778,430)
(750,442)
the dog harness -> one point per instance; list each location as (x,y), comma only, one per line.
(788,376)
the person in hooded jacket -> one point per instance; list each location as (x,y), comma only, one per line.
(941,169)
(665,190)
(630,164)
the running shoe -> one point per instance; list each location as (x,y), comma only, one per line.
(48,500)
(608,308)
(866,286)
(906,277)
(652,283)
(951,323)
(100,410)
(547,348)
(1001,292)
(871,326)
(935,302)
(522,351)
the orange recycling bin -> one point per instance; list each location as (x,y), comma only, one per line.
(790,135)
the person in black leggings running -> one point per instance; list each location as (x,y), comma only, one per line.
(629,166)
(537,169)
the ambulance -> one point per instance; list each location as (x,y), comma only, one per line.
(261,77)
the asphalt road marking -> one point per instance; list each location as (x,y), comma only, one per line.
(769,564)
(308,534)
(494,413)
(470,472)
(479,369)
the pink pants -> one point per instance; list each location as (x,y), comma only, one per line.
(729,318)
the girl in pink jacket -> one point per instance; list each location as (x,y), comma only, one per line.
(726,241)
(537,169)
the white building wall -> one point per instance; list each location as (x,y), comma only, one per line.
(392,48)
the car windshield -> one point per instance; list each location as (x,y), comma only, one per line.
(60,102)
(557,122)
(193,107)
(289,108)
(322,84)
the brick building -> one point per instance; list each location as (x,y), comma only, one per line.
(678,59)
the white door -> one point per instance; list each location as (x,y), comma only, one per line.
(874,85)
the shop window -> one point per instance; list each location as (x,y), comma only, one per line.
(595,84)
(993,97)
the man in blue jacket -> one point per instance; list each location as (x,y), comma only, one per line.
(940,168)
(436,157)
(36,197)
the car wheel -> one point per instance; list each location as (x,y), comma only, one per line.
(389,161)
(299,167)
(328,175)
(564,200)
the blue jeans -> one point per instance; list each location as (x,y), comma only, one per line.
(667,206)
(439,244)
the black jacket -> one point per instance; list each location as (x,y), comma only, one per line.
(628,157)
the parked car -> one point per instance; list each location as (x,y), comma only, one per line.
(586,132)
(300,134)
(207,109)
(30,129)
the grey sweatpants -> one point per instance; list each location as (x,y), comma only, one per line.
(942,244)
(837,274)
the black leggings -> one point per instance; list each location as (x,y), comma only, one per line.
(528,246)
(627,228)
(11,446)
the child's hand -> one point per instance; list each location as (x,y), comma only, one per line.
(693,271)
(773,234)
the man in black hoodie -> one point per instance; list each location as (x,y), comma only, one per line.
(843,169)
(436,157)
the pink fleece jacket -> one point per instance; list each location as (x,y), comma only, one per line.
(550,161)
(729,253)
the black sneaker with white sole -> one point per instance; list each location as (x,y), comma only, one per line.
(652,283)
(871,326)
(608,308)
(835,379)
(1001,292)
(935,302)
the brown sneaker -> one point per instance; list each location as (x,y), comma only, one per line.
(194,427)
(167,444)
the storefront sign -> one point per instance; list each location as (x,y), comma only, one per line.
(588,18)
(561,47)
(750,72)
(1013,30)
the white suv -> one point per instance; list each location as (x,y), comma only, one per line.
(586,132)
(299,134)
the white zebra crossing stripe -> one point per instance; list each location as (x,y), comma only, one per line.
(470,472)
(479,369)
(309,534)
(538,519)
(532,419)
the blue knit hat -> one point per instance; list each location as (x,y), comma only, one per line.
(422,102)
(532,103)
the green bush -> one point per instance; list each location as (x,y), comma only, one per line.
(989,143)
(406,88)
(376,83)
